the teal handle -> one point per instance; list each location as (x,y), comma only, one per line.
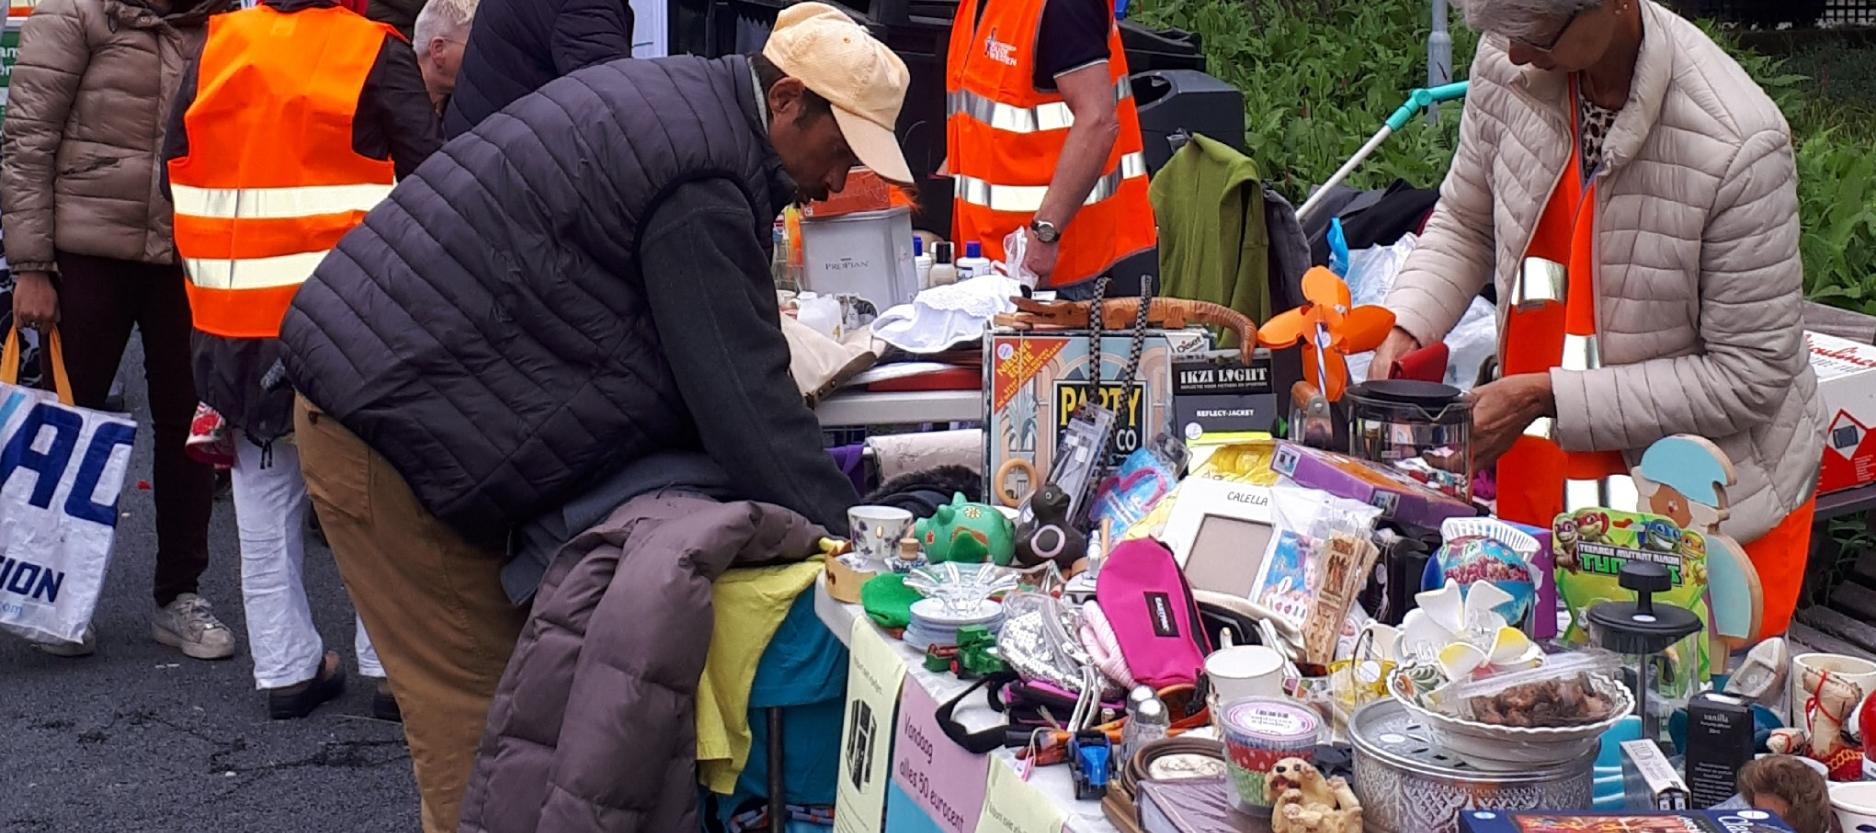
(1423,98)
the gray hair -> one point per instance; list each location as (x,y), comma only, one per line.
(447,19)
(1523,19)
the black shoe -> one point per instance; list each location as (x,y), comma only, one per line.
(383,705)
(298,701)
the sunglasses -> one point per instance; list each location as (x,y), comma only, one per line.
(1551,42)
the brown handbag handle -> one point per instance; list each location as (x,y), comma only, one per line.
(10,363)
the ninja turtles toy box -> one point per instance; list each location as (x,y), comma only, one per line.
(1035,381)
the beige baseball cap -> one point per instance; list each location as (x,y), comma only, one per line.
(838,60)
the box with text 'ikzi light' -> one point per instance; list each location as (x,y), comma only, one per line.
(1846,381)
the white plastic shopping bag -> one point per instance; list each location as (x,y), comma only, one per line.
(61,470)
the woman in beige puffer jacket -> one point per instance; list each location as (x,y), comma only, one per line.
(1697,286)
(88,236)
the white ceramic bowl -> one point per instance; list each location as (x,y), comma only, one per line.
(1855,805)
(1507,748)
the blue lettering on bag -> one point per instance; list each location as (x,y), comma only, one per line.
(23,577)
(50,464)
(19,577)
(104,441)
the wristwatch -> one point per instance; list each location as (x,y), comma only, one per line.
(1045,231)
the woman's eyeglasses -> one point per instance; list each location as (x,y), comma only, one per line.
(1556,38)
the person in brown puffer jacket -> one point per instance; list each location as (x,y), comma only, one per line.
(88,235)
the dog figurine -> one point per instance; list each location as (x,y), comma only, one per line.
(1303,801)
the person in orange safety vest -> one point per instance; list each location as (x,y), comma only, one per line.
(293,122)
(1631,193)
(1043,137)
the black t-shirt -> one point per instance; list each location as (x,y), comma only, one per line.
(1073,35)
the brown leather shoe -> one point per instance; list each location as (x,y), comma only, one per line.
(384,705)
(296,701)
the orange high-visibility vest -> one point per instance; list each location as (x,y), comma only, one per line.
(271,181)
(1004,138)
(1550,322)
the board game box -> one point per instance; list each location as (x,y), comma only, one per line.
(1683,821)
(1399,497)
(1036,380)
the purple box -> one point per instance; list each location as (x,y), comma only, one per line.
(1543,624)
(1398,496)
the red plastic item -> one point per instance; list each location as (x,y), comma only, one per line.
(1867,723)
(957,378)
(1427,364)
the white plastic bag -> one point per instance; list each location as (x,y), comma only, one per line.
(1371,275)
(61,471)
(1015,245)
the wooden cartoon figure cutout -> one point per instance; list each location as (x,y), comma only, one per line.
(1684,478)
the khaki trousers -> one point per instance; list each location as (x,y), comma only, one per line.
(433,603)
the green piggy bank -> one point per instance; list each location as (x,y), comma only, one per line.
(968,533)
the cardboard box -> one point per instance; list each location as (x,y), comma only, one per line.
(1846,380)
(1648,780)
(1576,821)
(1398,496)
(1036,380)
(1719,744)
(865,191)
(1224,396)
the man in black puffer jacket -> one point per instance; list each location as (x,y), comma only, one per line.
(517,46)
(571,299)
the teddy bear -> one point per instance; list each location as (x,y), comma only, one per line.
(1303,801)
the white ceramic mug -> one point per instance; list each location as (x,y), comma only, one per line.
(876,530)
(1237,672)
(1854,802)
(1862,672)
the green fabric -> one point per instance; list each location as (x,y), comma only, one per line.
(1213,244)
(887,601)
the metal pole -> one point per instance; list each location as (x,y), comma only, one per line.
(1315,199)
(1439,56)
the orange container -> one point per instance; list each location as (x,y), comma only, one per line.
(865,191)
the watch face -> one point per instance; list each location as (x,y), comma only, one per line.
(1046,232)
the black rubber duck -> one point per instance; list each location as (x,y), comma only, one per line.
(1049,536)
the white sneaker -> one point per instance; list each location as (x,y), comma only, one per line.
(189,625)
(84,647)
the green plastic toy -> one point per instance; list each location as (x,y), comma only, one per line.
(968,533)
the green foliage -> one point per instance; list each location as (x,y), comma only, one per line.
(1836,176)
(1319,76)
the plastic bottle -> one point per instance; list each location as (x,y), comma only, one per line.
(921,262)
(943,271)
(973,264)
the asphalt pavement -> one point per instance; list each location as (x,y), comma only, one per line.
(139,738)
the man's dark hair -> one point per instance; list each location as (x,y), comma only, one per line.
(767,73)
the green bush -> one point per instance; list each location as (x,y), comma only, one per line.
(1319,76)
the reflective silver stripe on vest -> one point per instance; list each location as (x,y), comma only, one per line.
(1010,118)
(1543,428)
(1613,492)
(1581,353)
(1540,282)
(276,203)
(1027,199)
(253,272)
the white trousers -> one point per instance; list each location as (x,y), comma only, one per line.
(270,511)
